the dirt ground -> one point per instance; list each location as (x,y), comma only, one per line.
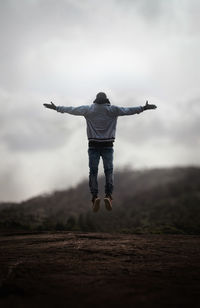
(73,269)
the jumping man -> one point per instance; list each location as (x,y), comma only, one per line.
(101,118)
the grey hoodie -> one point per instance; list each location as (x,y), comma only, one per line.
(101,119)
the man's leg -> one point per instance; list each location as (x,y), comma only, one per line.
(94,156)
(107,156)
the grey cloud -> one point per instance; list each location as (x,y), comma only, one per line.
(181,128)
(79,27)
(186,129)
(33,127)
(9,185)
(148,9)
(26,26)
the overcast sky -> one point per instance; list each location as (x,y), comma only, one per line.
(69,50)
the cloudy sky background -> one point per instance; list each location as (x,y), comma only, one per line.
(67,51)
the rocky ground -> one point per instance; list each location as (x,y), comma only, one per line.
(73,269)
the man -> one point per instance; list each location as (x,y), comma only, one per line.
(101,118)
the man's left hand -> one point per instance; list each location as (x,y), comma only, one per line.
(149,106)
(50,106)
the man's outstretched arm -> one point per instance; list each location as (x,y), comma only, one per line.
(121,111)
(81,110)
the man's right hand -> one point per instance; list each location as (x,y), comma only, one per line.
(50,106)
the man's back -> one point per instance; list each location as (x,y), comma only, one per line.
(101,118)
(101,122)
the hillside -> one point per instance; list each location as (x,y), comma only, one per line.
(145,201)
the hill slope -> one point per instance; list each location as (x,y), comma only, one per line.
(146,201)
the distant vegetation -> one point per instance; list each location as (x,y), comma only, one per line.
(146,201)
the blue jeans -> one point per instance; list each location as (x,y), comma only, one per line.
(94,156)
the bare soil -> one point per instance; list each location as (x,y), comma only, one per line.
(74,269)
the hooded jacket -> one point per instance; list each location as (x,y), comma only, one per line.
(101,119)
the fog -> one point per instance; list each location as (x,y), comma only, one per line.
(67,51)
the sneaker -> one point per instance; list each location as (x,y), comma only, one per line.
(108,203)
(95,204)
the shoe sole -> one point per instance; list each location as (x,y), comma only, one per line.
(108,204)
(96,205)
